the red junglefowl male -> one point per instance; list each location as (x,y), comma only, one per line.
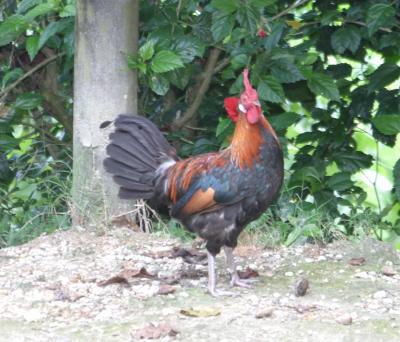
(215,194)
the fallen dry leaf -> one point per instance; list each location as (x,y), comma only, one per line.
(388,271)
(264,313)
(152,331)
(166,289)
(191,256)
(301,287)
(125,276)
(345,319)
(248,273)
(357,261)
(201,312)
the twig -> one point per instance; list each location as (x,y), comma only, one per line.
(287,10)
(5,92)
(384,29)
(200,89)
(221,65)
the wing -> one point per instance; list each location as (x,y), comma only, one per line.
(210,190)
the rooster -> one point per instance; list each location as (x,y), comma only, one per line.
(215,194)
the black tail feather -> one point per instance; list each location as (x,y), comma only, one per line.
(136,150)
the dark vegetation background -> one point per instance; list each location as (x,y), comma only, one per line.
(327,73)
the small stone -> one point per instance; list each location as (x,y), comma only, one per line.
(388,270)
(264,313)
(380,294)
(289,274)
(345,319)
(301,287)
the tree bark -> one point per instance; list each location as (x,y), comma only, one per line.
(106,31)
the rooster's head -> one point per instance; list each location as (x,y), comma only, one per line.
(248,103)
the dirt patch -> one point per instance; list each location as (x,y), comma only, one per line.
(53,289)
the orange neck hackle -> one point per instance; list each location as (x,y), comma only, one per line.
(247,140)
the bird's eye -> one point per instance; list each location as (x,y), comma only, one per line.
(242,109)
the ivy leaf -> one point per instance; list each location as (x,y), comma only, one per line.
(340,181)
(387,124)
(285,71)
(11,28)
(322,84)
(396,179)
(165,61)
(339,71)
(346,38)
(380,15)
(227,6)
(222,25)
(28,101)
(146,51)
(269,89)
(159,84)
(283,121)
(352,161)
(32,46)
(383,76)
(361,102)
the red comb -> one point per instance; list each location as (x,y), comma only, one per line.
(246,82)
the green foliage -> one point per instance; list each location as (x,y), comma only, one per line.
(35,147)
(327,74)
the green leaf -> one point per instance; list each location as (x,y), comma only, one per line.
(269,89)
(39,10)
(285,71)
(7,143)
(283,121)
(165,61)
(28,101)
(396,179)
(346,38)
(307,173)
(223,125)
(380,15)
(32,46)
(239,61)
(222,26)
(11,28)
(146,51)
(340,181)
(388,124)
(322,84)
(11,76)
(179,77)
(54,28)
(227,6)
(25,5)
(159,84)
(339,71)
(68,11)
(248,18)
(352,161)
(275,36)
(386,74)
(188,48)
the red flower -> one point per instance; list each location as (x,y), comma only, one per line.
(261,33)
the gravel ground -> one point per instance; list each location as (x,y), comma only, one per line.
(126,286)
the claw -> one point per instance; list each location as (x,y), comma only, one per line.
(236,281)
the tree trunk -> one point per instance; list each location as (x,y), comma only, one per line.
(106,31)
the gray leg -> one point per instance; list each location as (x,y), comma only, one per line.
(230,260)
(212,281)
